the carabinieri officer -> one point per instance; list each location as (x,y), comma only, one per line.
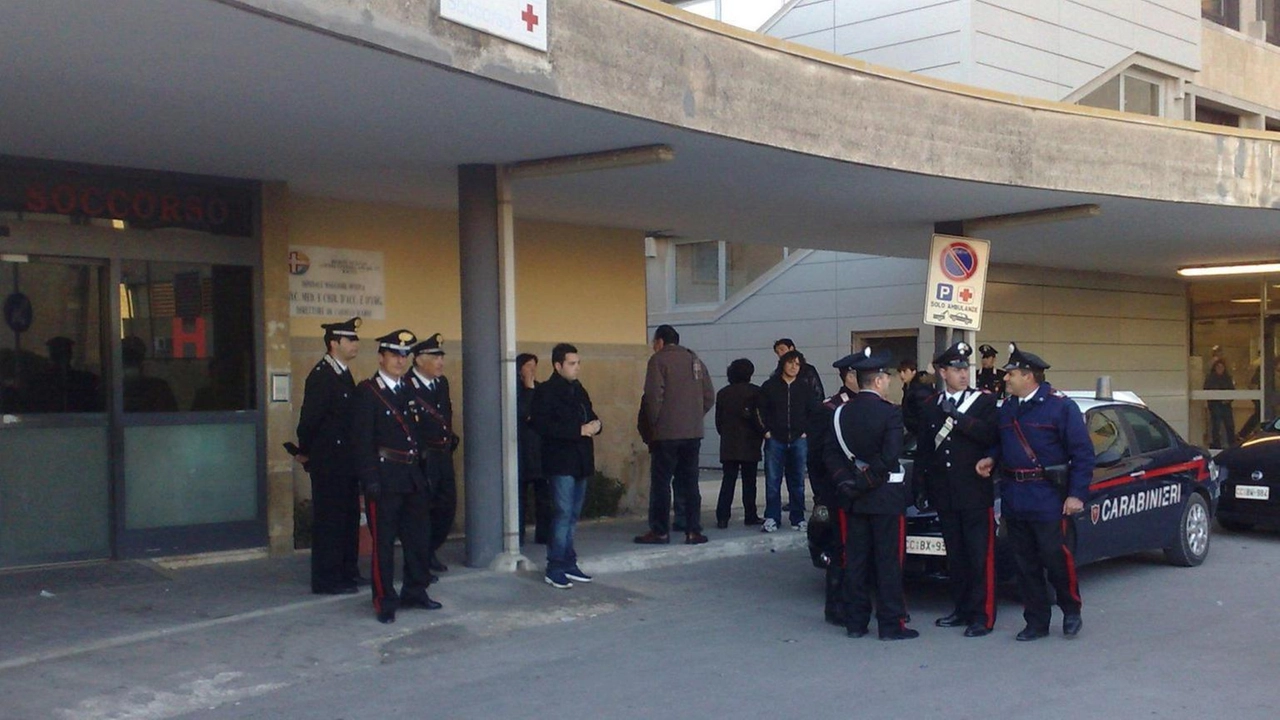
(1044,462)
(440,440)
(324,449)
(384,436)
(862,458)
(957,427)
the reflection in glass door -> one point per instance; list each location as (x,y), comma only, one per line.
(55,488)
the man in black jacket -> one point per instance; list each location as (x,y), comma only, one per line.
(863,462)
(432,388)
(384,440)
(787,409)
(957,428)
(561,414)
(808,373)
(324,449)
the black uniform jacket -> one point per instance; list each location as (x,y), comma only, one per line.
(324,426)
(947,469)
(436,428)
(560,409)
(819,435)
(384,438)
(872,428)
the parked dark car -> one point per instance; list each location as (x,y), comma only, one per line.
(1151,490)
(1250,476)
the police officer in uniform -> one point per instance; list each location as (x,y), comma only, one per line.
(1044,462)
(827,520)
(862,459)
(324,449)
(990,377)
(384,438)
(433,392)
(958,427)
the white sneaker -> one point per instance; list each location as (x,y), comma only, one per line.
(802,527)
(769,526)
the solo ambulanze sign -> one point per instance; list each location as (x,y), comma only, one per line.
(957,282)
(520,21)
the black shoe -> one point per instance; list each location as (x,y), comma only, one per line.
(423,602)
(386,617)
(432,578)
(955,619)
(437,566)
(753,521)
(722,524)
(834,618)
(1071,625)
(652,538)
(1032,633)
(897,632)
(342,590)
(694,538)
(977,630)
(856,632)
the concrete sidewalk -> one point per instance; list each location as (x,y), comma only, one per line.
(60,612)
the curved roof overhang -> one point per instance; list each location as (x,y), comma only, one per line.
(774,143)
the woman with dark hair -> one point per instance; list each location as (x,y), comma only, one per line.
(530,452)
(741,434)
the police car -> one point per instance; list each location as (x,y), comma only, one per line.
(1151,490)
(1250,476)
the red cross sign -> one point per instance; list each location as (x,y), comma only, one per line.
(530,19)
(966,294)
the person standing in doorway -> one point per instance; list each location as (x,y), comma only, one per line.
(561,414)
(324,449)
(1222,426)
(738,423)
(787,408)
(529,444)
(677,395)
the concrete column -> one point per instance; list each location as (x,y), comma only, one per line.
(479,252)
(280,418)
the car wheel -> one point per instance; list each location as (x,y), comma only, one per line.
(1193,534)
(1235,525)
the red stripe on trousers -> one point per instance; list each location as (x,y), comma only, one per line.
(844,536)
(902,560)
(990,606)
(378,594)
(1072,584)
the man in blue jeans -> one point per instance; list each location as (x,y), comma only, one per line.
(787,408)
(562,416)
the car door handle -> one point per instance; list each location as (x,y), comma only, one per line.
(1137,473)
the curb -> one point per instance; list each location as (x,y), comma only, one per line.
(669,555)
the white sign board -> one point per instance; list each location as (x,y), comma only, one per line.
(520,21)
(957,282)
(336,283)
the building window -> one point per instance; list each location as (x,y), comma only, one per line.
(1130,93)
(1269,12)
(708,272)
(1223,12)
(1206,114)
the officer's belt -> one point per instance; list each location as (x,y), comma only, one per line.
(398,456)
(1022,474)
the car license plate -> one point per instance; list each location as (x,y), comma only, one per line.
(1253,492)
(924,545)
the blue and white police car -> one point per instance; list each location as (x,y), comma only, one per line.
(1151,490)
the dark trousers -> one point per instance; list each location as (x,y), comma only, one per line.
(970,536)
(538,492)
(874,549)
(1040,549)
(724,505)
(674,462)
(405,516)
(335,531)
(834,606)
(444,501)
(1222,424)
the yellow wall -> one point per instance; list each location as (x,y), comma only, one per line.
(1239,67)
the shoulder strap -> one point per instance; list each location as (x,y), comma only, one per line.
(839,436)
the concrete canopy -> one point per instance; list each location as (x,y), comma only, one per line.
(774,144)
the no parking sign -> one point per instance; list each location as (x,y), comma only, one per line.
(957,282)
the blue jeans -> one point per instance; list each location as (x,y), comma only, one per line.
(567,494)
(791,457)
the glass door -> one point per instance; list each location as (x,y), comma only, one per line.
(55,498)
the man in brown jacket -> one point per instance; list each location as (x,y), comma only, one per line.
(677,394)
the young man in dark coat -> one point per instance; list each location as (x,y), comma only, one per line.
(787,408)
(1044,455)
(808,373)
(738,423)
(863,462)
(957,427)
(324,449)
(563,417)
(384,440)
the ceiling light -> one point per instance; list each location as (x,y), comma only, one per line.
(1246,301)
(1211,270)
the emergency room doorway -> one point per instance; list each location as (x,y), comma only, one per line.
(130,413)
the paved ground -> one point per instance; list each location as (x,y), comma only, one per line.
(732,628)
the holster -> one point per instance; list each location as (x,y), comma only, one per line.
(1059,476)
